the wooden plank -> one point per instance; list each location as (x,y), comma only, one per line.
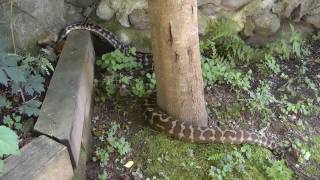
(66,108)
(43,158)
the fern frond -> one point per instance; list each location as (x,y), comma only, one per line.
(222,27)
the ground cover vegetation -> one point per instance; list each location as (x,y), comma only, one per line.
(274,87)
(23,80)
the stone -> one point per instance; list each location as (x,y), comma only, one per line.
(104,11)
(314,20)
(66,107)
(202,23)
(258,40)
(204,2)
(296,9)
(139,19)
(234,4)
(73,14)
(248,27)
(81,3)
(34,19)
(266,23)
(42,158)
(124,7)
(209,9)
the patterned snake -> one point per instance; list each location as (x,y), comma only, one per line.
(160,121)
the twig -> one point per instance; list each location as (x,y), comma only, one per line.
(22,95)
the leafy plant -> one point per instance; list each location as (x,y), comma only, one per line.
(302,107)
(13,121)
(235,49)
(103,175)
(261,98)
(304,151)
(127,76)
(9,69)
(236,160)
(118,144)
(271,63)
(224,33)
(30,108)
(117,60)
(278,171)
(222,27)
(8,143)
(217,69)
(23,79)
(287,48)
(114,144)
(139,88)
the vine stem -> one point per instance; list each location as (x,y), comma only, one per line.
(11,27)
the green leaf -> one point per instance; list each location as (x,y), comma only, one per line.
(15,74)
(8,142)
(3,78)
(9,68)
(9,60)
(8,121)
(18,126)
(30,108)
(34,84)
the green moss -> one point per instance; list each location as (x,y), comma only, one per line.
(233,111)
(313,170)
(316,149)
(313,167)
(166,157)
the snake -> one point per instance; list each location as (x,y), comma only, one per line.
(159,119)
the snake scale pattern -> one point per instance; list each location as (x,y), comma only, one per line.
(160,121)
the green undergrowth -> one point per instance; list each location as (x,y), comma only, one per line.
(166,158)
(124,77)
(315,156)
(271,84)
(22,85)
(109,144)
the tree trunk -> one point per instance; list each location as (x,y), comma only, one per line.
(175,47)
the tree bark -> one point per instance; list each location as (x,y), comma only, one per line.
(175,47)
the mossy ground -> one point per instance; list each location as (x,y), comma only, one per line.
(314,163)
(165,157)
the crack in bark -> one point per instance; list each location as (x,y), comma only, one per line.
(190,54)
(177,57)
(170,34)
(192,10)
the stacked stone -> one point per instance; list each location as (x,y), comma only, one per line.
(263,18)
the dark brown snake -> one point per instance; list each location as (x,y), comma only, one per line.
(160,121)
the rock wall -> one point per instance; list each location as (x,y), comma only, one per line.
(263,18)
(258,20)
(265,14)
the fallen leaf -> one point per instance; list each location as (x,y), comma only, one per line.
(129,164)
